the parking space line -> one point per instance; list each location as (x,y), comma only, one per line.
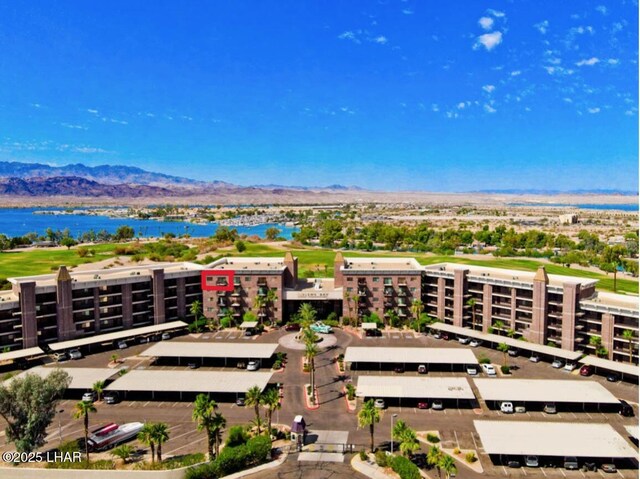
(524,471)
(131,404)
(588,415)
(175,404)
(562,471)
(160,405)
(146,404)
(544,473)
(582,473)
(621,475)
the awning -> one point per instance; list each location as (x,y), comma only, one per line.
(109,337)
(249,325)
(609,365)
(413,387)
(20,353)
(81,378)
(366,326)
(359,354)
(516,343)
(192,349)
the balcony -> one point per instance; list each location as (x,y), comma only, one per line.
(262,291)
(402,294)
(388,292)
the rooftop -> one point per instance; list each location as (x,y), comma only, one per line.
(611,301)
(552,439)
(413,387)
(609,365)
(190,381)
(254,264)
(184,349)
(381,264)
(542,390)
(420,355)
(81,378)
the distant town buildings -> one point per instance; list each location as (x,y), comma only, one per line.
(568,219)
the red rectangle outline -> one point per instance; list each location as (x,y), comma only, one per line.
(229,274)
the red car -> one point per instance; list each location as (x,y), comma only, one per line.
(423,405)
(292,327)
(587,370)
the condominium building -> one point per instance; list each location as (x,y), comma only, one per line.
(562,311)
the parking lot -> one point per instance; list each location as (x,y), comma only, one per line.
(454,425)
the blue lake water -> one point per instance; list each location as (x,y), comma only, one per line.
(584,206)
(20,221)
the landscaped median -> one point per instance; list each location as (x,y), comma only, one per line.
(466,457)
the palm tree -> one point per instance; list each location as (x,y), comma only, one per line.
(229,318)
(114,358)
(259,304)
(253,399)
(124,452)
(145,436)
(629,336)
(311,351)
(448,465)
(369,415)
(472,304)
(498,325)
(596,342)
(511,333)
(160,432)
(81,411)
(218,424)
(347,298)
(504,348)
(434,457)
(399,428)
(203,413)
(409,442)
(98,388)
(307,314)
(271,298)
(417,307)
(271,401)
(196,309)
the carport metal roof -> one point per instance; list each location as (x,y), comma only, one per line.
(543,390)
(633,431)
(366,326)
(249,324)
(81,378)
(410,355)
(609,365)
(516,343)
(552,439)
(108,337)
(188,349)
(190,381)
(20,353)
(413,387)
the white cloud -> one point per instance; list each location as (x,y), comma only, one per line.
(349,35)
(613,61)
(452,114)
(488,40)
(406,11)
(593,110)
(381,40)
(488,88)
(567,100)
(435,107)
(489,109)
(542,26)
(88,149)
(461,105)
(616,27)
(602,9)
(588,62)
(93,112)
(486,22)
(73,127)
(515,73)
(36,105)
(495,13)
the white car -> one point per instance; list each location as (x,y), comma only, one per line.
(570,366)
(253,366)
(506,407)
(437,405)
(521,409)
(463,340)
(75,354)
(379,404)
(489,369)
(474,343)
(166,336)
(472,370)
(534,358)
(122,345)
(557,364)
(89,396)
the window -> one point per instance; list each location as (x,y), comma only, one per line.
(247,279)
(375,290)
(349,290)
(375,300)
(388,282)
(413,290)
(376,279)
(350,279)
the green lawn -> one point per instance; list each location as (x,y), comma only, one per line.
(312,261)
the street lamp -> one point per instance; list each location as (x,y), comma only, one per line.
(60,411)
(393,416)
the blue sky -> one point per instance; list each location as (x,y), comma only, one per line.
(395,95)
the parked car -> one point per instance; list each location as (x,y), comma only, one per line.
(437,405)
(398,368)
(513,352)
(571,463)
(609,467)
(557,364)
(75,354)
(379,404)
(89,396)
(472,370)
(292,327)
(62,356)
(589,466)
(445,336)
(320,327)
(248,332)
(111,397)
(506,407)
(241,365)
(240,401)
(122,345)
(474,343)
(587,370)
(613,377)
(534,358)
(193,365)
(423,405)
(441,335)
(512,462)
(531,461)
(626,409)
(570,366)
(521,409)
(489,370)
(143,339)
(253,365)
(550,408)
(373,333)
(422,369)
(166,336)
(464,340)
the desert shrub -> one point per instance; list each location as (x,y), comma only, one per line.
(237,436)
(505,369)
(381,458)
(405,468)
(456,450)
(363,455)
(432,438)
(470,457)
(484,360)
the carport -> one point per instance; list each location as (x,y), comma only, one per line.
(495,339)
(82,379)
(572,394)
(214,352)
(248,325)
(185,385)
(384,358)
(415,388)
(624,369)
(552,440)
(116,336)
(20,354)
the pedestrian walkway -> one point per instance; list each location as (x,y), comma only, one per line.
(321,457)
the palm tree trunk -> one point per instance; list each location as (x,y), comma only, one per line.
(86,435)
(371,432)
(159,452)
(152,446)
(258,418)
(269,413)
(210,445)
(615,278)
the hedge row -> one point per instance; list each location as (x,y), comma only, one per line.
(234,459)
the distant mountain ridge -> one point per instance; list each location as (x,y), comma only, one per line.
(81,187)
